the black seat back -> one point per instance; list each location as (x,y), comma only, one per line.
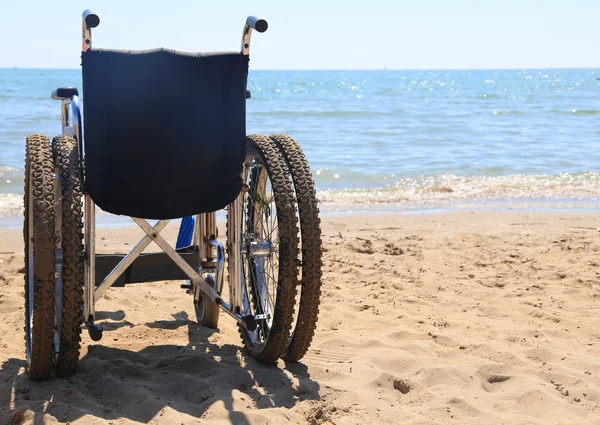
(164,131)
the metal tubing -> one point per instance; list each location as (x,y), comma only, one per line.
(199,232)
(220,264)
(211,225)
(252,22)
(90,257)
(237,317)
(210,233)
(89,20)
(259,25)
(246,40)
(187,269)
(76,122)
(128,259)
(258,249)
(234,232)
(262,289)
(71,118)
(65,112)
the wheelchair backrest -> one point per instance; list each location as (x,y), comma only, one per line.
(164,130)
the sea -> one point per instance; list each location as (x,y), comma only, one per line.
(388,140)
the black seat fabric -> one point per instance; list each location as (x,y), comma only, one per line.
(164,130)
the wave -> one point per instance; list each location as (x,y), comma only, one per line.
(575,111)
(11,205)
(585,111)
(572,190)
(517,112)
(5,169)
(11,180)
(449,188)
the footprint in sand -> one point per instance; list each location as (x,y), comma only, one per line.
(391,249)
(402,385)
(366,248)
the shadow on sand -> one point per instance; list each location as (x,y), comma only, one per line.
(115,383)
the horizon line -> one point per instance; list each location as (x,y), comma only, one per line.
(357,69)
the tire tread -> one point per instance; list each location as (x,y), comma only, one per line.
(39,170)
(67,160)
(310,230)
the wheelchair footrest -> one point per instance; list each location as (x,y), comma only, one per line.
(148,267)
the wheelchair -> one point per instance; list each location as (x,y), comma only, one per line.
(162,137)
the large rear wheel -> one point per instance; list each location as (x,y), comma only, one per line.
(66,157)
(269,243)
(40,243)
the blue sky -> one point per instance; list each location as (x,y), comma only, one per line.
(311,34)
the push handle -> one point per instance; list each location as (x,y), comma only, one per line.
(252,23)
(91,19)
(259,25)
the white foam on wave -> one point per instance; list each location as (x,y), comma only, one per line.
(4,170)
(449,187)
(11,205)
(556,191)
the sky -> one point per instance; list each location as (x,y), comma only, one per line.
(313,34)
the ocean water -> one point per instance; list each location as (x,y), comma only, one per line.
(383,140)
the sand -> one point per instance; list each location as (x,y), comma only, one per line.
(458,317)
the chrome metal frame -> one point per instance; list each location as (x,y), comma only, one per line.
(170,251)
(211,251)
(89,20)
(220,264)
(86,36)
(89,266)
(252,22)
(234,232)
(152,235)
(246,35)
(70,112)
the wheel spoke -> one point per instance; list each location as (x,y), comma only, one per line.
(260,221)
(268,184)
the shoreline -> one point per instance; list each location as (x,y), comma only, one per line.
(106,220)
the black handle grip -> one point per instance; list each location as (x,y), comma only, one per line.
(63,93)
(259,25)
(91,19)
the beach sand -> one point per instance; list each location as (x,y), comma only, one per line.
(460,317)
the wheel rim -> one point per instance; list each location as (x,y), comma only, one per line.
(260,249)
